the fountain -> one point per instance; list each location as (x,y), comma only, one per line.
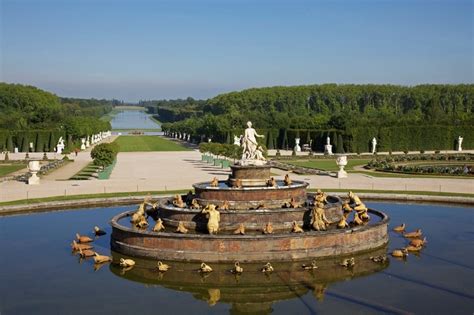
(250,218)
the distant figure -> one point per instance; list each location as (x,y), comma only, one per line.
(249,142)
(374,145)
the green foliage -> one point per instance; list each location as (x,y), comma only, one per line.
(358,112)
(104,154)
(340,144)
(221,149)
(33,115)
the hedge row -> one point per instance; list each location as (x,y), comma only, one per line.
(394,138)
(411,138)
(43,140)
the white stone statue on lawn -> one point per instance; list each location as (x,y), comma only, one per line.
(83,143)
(88,141)
(250,147)
(328,147)
(60,146)
(460,139)
(374,145)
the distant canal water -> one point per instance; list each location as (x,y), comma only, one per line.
(133,119)
(40,275)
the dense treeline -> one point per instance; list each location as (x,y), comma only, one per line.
(174,110)
(402,117)
(32,116)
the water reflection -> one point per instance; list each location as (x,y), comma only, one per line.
(252,291)
(133,119)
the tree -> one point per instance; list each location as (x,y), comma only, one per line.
(340,145)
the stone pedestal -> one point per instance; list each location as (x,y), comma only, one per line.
(250,175)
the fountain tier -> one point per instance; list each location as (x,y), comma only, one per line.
(253,206)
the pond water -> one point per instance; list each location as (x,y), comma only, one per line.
(39,275)
(133,119)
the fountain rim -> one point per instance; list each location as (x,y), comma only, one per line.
(114,223)
(294,185)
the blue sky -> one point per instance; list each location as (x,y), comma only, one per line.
(141,49)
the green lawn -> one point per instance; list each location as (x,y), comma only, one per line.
(147,143)
(328,165)
(7,169)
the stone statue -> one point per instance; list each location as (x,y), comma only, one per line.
(374,145)
(249,144)
(214,218)
(460,139)
(318,218)
(60,146)
(328,147)
(358,206)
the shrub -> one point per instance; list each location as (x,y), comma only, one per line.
(104,154)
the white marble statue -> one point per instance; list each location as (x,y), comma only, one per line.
(460,139)
(88,141)
(249,142)
(83,143)
(374,145)
(252,153)
(328,146)
(297,145)
(60,146)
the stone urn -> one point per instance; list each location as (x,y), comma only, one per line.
(34,167)
(341,162)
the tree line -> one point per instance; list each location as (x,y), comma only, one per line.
(356,112)
(31,115)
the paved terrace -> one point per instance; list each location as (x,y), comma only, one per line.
(154,171)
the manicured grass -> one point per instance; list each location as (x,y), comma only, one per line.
(10,168)
(328,165)
(147,143)
(86,172)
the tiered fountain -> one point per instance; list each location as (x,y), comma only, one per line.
(253,201)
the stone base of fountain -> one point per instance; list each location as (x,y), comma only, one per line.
(254,206)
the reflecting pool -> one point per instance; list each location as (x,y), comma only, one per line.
(133,119)
(40,275)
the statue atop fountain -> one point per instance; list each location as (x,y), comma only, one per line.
(252,153)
